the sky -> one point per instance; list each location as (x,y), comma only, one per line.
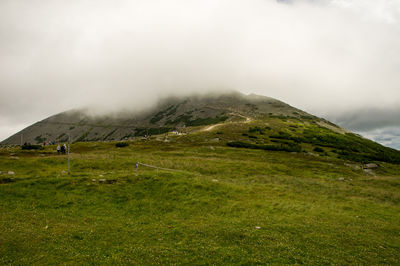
(339,59)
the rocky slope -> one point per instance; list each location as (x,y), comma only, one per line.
(170,114)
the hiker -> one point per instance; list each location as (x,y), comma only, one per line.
(58,149)
(63,149)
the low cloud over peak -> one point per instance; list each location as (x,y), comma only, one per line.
(327,57)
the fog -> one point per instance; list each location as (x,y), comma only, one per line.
(329,57)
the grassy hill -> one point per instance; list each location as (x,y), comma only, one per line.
(240,180)
(237,120)
(239,192)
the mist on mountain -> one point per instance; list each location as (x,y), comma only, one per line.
(321,56)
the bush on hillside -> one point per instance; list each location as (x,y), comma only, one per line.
(256,129)
(318,149)
(121,144)
(289,147)
(31,147)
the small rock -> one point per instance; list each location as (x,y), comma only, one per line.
(214,140)
(215,180)
(369,172)
(11,173)
(370,165)
(101,175)
(212,148)
(341,178)
(93,180)
(353,166)
(1,172)
(258,227)
(46,227)
(101,180)
(6,180)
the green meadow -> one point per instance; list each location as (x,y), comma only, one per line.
(218,205)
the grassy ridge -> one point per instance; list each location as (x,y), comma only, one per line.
(223,205)
(293,135)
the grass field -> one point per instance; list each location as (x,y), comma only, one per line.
(222,205)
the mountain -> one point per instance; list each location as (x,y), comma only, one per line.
(233,119)
(168,115)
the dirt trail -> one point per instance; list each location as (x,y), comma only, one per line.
(248,119)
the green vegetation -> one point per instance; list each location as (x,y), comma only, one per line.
(207,121)
(84,135)
(110,134)
(171,110)
(31,147)
(272,191)
(318,149)
(39,139)
(121,144)
(152,131)
(187,120)
(257,129)
(288,147)
(351,146)
(61,135)
(157,117)
(220,206)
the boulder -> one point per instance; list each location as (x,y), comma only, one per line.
(369,172)
(353,166)
(370,165)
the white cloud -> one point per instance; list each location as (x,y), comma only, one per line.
(324,56)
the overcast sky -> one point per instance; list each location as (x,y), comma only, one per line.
(339,59)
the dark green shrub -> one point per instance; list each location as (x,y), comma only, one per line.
(257,129)
(39,139)
(157,117)
(290,147)
(281,135)
(121,144)
(152,131)
(32,147)
(318,149)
